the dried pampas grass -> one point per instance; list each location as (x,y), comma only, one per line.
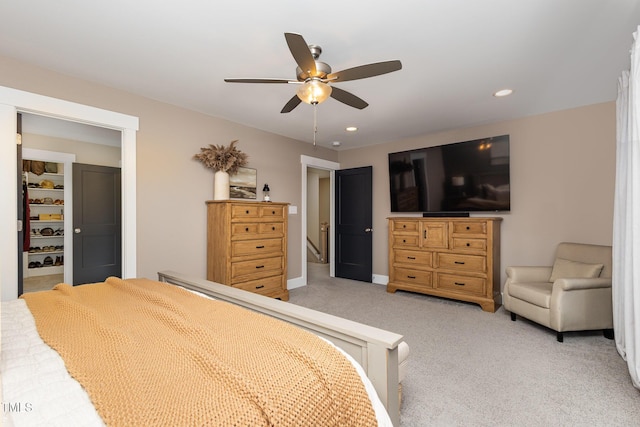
(221,158)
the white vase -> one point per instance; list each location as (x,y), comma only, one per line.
(221,186)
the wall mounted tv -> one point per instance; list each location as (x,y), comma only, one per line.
(453,178)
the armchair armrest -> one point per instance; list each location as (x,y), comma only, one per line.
(529,273)
(572,284)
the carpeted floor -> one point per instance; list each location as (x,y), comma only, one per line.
(472,368)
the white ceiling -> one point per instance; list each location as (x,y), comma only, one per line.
(555,54)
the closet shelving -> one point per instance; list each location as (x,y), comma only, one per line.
(46,222)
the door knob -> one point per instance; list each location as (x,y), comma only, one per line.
(368,230)
(77,230)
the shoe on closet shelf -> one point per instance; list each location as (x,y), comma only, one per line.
(48,261)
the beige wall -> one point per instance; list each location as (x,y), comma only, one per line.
(171,186)
(562,181)
(88,153)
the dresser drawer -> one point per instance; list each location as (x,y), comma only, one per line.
(274,211)
(256,247)
(475,263)
(421,259)
(271,229)
(244,231)
(408,241)
(262,286)
(414,277)
(462,284)
(475,227)
(244,211)
(464,243)
(406,226)
(255,269)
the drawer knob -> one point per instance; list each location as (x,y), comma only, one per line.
(404,226)
(273,229)
(404,241)
(468,228)
(459,262)
(411,277)
(260,287)
(246,229)
(247,212)
(468,244)
(259,266)
(273,212)
(411,257)
(260,247)
(458,284)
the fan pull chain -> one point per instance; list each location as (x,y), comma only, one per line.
(315,122)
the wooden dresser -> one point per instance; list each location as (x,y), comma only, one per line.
(456,258)
(247,246)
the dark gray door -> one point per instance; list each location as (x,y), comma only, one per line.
(97,225)
(353,217)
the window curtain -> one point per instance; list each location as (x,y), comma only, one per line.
(626,218)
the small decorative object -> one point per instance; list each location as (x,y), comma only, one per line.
(265,191)
(224,161)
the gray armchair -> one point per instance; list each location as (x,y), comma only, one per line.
(572,295)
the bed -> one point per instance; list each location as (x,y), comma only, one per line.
(39,390)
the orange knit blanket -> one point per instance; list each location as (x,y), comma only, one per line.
(149,353)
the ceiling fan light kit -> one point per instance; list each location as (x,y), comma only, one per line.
(314,91)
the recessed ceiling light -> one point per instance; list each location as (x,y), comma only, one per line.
(351,129)
(503,92)
(336,143)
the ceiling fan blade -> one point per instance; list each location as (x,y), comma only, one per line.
(301,53)
(348,98)
(260,81)
(293,103)
(364,71)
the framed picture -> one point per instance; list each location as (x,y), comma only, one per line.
(243,184)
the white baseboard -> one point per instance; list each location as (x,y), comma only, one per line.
(295,283)
(379,279)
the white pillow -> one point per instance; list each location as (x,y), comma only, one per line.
(564,268)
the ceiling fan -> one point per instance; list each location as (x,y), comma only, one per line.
(316,79)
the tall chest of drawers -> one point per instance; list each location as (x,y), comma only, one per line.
(457,258)
(247,246)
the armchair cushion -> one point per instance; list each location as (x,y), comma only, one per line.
(538,293)
(565,268)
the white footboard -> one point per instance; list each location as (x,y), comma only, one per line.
(375,349)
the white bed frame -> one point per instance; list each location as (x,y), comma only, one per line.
(375,349)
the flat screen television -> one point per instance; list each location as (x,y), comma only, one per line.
(461,177)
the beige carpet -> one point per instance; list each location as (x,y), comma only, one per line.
(472,368)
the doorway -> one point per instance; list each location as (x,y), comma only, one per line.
(318,218)
(48,208)
(315,165)
(12,102)
(60,143)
